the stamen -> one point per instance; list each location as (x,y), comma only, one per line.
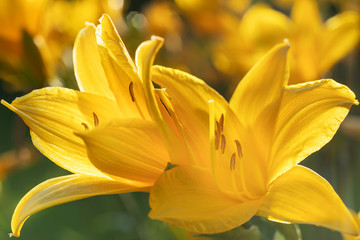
(131,90)
(217,127)
(223,143)
(96,119)
(217,139)
(85,126)
(165,106)
(232,161)
(239,149)
(221,121)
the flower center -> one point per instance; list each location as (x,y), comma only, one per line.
(220,143)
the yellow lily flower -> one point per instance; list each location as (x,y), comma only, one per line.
(316,46)
(244,154)
(103,134)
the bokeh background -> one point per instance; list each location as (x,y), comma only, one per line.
(36,38)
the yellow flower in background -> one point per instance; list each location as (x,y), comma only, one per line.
(103,134)
(316,46)
(242,157)
(35,34)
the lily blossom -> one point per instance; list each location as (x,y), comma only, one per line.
(241,158)
(103,134)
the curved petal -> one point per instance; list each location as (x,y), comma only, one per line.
(89,73)
(309,116)
(158,101)
(189,98)
(131,149)
(53,114)
(261,86)
(342,34)
(188,197)
(65,189)
(122,74)
(302,196)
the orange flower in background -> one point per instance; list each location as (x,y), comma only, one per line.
(209,17)
(35,34)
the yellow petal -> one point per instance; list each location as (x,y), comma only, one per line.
(188,197)
(145,56)
(189,97)
(357,220)
(65,189)
(131,149)
(261,86)
(302,196)
(309,115)
(53,114)
(122,74)
(341,36)
(305,14)
(89,73)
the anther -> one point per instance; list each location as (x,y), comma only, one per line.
(217,127)
(221,121)
(217,139)
(96,119)
(85,126)
(131,90)
(223,143)
(239,149)
(232,161)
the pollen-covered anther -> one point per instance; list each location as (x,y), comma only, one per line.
(131,91)
(85,126)
(96,119)
(223,143)
(239,148)
(232,161)
(221,122)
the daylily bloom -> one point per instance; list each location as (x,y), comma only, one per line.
(51,26)
(103,134)
(243,155)
(316,46)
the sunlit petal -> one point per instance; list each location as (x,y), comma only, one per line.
(89,73)
(310,114)
(302,196)
(131,149)
(65,189)
(123,77)
(188,197)
(261,86)
(53,114)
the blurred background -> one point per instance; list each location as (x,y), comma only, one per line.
(215,40)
